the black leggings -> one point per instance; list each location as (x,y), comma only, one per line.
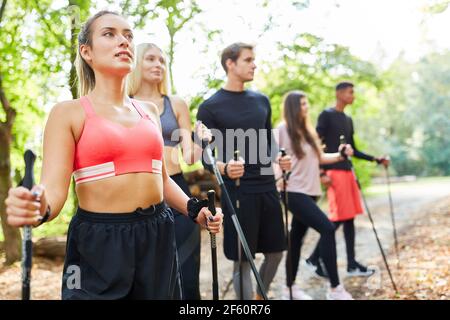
(187,235)
(308,214)
(349,235)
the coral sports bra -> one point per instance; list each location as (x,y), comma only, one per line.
(106,149)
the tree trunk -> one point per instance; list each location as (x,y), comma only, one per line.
(51,248)
(12,235)
(73,82)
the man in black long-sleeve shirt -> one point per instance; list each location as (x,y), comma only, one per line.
(343,193)
(241,119)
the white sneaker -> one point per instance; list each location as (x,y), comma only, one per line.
(297,293)
(308,264)
(338,293)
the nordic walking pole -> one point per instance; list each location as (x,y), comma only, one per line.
(215,282)
(27,245)
(391,206)
(210,160)
(342,141)
(286,225)
(238,209)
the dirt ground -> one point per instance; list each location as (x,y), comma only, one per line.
(424,265)
(422,271)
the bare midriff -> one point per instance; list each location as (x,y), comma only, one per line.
(122,193)
(171,159)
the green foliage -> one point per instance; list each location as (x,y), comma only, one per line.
(437,7)
(432,102)
(24,69)
(417,111)
(311,65)
(176,14)
(364,169)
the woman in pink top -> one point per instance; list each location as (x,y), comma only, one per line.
(121,241)
(301,142)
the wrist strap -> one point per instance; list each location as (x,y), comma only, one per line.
(46,216)
(194,206)
(225,170)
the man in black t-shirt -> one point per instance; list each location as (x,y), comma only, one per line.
(241,119)
(344,198)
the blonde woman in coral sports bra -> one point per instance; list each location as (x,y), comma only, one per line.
(121,240)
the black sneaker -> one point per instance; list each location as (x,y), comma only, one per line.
(316,268)
(358,270)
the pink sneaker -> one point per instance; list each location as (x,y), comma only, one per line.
(338,293)
(297,293)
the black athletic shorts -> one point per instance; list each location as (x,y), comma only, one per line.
(261,219)
(121,255)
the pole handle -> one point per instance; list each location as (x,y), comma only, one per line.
(283,153)
(343,141)
(211,202)
(28,179)
(236,155)
(236,158)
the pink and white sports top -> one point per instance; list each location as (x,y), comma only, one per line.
(106,149)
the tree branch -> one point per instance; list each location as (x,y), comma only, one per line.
(60,39)
(183,22)
(142,16)
(2,10)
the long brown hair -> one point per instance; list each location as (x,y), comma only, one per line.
(85,74)
(299,127)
